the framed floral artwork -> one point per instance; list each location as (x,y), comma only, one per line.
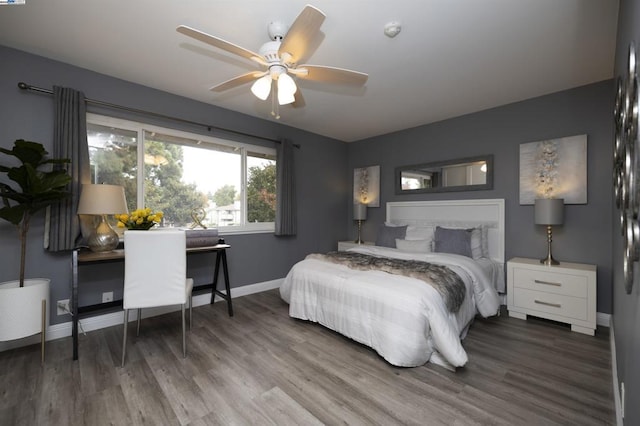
(366,186)
(554,168)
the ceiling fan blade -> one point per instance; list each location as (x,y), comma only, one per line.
(238,81)
(330,74)
(220,43)
(303,29)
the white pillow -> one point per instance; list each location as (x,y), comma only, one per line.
(413,246)
(485,241)
(476,243)
(419,233)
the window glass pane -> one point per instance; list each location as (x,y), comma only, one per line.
(113,158)
(183,176)
(261,188)
(223,183)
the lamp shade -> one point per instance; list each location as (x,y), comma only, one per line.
(359,211)
(286,89)
(102,199)
(549,211)
(285,98)
(262,87)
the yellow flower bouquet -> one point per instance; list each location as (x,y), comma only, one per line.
(140,219)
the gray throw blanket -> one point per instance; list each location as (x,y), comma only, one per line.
(444,280)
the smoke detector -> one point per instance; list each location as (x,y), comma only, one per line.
(392,29)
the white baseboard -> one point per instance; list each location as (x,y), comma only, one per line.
(614,370)
(59,331)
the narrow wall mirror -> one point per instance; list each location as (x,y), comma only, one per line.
(462,174)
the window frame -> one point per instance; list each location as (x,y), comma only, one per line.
(140,127)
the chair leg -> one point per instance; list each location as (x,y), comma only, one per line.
(184,335)
(139,319)
(124,335)
(190,311)
(43,335)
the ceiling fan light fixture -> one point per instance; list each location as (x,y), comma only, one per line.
(285,98)
(286,89)
(262,87)
(286,84)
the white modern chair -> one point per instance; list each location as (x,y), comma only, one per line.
(155,274)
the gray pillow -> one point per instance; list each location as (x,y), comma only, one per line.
(387,235)
(455,241)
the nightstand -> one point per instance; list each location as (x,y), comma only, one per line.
(346,245)
(564,293)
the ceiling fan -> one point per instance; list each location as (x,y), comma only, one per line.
(280,57)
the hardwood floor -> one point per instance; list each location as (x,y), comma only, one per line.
(262,367)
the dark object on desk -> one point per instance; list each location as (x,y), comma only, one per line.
(86,257)
(202,237)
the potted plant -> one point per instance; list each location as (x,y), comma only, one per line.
(38,186)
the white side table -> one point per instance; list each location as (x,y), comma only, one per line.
(346,245)
(564,293)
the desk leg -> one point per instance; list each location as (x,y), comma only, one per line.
(225,269)
(74,303)
(216,271)
(221,255)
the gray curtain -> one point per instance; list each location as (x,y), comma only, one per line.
(285,190)
(69,141)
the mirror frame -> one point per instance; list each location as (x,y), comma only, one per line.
(480,187)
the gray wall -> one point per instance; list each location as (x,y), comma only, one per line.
(321,165)
(626,307)
(585,236)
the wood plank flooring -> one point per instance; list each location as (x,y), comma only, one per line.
(261,367)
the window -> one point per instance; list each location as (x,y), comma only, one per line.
(232,185)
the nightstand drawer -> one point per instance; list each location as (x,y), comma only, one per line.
(550,282)
(557,304)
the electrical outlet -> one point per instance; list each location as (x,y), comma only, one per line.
(64,307)
(107,297)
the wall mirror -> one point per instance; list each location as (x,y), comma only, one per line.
(462,174)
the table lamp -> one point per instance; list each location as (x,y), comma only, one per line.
(359,214)
(549,211)
(102,200)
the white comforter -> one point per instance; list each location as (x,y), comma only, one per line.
(404,319)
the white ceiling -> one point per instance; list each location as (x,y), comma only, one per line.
(452,57)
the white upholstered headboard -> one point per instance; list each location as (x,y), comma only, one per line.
(455,213)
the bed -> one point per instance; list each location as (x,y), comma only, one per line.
(387,298)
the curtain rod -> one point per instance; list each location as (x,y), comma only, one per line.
(25,86)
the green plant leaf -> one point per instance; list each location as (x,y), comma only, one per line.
(36,189)
(12,214)
(29,152)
